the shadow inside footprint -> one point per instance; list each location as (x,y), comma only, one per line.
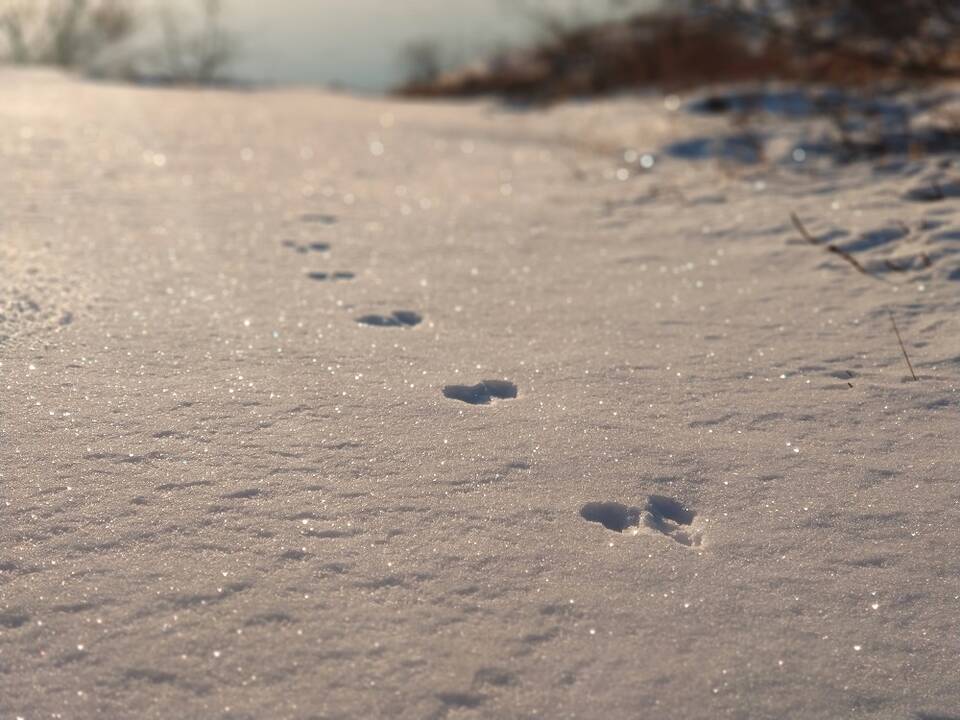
(323,276)
(664,508)
(399,318)
(481,393)
(661,513)
(612,515)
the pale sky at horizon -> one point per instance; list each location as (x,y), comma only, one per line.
(358,42)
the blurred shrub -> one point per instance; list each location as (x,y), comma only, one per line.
(422,62)
(703,41)
(66,33)
(671,51)
(856,38)
(119,38)
(197,56)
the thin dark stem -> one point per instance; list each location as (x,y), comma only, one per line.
(835,249)
(903,348)
(802,229)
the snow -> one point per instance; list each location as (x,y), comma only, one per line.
(225,497)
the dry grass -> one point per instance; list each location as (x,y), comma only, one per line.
(830,247)
(669,51)
(722,41)
(840,40)
(903,349)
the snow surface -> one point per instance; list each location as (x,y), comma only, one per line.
(225,494)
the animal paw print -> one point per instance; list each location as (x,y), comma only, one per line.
(482,393)
(398,318)
(660,513)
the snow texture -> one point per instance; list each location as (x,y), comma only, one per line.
(703,485)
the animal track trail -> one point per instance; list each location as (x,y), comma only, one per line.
(318,247)
(661,513)
(307,247)
(482,393)
(398,318)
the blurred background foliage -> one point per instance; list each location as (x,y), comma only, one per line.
(126,39)
(693,42)
(573,47)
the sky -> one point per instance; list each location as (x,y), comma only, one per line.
(358,43)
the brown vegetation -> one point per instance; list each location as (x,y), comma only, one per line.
(846,41)
(905,38)
(674,51)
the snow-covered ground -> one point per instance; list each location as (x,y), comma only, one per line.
(222,496)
